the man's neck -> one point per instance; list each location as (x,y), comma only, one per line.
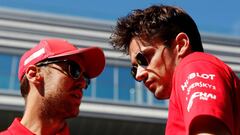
(42,126)
(38,122)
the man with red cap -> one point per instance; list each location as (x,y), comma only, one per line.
(52,77)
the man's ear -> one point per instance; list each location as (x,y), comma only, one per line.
(33,74)
(182,44)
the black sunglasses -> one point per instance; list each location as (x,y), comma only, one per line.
(142,61)
(74,70)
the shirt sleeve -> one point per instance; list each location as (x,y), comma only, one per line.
(204,89)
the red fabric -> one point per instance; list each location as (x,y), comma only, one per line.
(203,85)
(16,128)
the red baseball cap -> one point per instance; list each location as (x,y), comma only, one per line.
(92,58)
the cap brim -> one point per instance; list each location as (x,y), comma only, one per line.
(92,59)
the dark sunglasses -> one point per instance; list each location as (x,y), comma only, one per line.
(73,69)
(141,61)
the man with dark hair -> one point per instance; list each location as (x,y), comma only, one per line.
(166,53)
(52,76)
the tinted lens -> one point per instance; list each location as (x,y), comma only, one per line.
(74,70)
(141,59)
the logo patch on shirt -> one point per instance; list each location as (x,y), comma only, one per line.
(202,96)
(201,83)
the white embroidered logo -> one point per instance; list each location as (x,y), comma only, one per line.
(202,96)
(34,55)
(203,82)
(194,75)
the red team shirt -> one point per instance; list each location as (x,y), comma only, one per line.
(203,85)
(17,128)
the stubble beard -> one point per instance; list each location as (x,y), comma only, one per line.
(56,106)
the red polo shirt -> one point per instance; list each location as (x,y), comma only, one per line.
(16,128)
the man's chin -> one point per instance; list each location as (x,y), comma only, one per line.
(76,113)
(73,114)
(161,95)
(161,98)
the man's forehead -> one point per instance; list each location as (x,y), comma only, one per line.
(137,45)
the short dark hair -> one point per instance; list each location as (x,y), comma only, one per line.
(24,86)
(157,22)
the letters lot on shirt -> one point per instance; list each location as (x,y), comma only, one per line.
(199,86)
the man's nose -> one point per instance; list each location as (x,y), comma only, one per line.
(81,82)
(141,73)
